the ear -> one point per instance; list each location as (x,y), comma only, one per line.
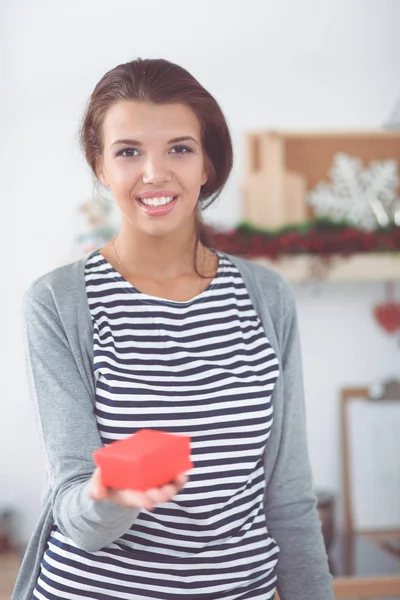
(101,171)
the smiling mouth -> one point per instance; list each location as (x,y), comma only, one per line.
(157,201)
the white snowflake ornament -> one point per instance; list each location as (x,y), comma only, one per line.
(362,196)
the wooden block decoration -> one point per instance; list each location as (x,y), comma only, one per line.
(251,153)
(260,208)
(144,460)
(295,192)
(264,187)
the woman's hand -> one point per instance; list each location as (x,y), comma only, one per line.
(135,499)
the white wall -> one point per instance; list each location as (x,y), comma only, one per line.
(288,64)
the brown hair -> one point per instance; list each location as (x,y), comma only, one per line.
(159,81)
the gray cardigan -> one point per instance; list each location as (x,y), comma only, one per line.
(59,357)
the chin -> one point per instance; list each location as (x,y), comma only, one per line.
(158,231)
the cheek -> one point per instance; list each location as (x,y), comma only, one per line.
(124,175)
(190,174)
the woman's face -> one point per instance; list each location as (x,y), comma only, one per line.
(154,163)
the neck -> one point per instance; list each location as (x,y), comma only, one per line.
(158,257)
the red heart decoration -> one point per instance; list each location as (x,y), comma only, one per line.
(388,315)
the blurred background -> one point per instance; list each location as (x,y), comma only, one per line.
(273,65)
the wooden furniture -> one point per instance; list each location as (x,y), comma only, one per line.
(281,166)
(346,395)
(356,267)
(362,568)
(372,460)
(361,563)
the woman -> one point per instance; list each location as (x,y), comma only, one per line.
(159,330)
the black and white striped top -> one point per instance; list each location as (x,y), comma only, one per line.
(202,368)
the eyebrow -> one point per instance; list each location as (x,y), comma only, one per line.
(183,138)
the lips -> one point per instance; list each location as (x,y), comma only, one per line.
(163,209)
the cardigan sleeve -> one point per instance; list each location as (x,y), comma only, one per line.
(69,432)
(290,502)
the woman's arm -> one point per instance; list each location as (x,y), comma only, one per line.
(291,512)
(69,432)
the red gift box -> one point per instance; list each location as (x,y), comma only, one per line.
(147,459)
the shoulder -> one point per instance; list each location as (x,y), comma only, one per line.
(59,284)
(265,284)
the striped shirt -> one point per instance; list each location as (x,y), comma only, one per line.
(202,368)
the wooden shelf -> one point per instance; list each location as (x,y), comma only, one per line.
(282,167)
(357,267)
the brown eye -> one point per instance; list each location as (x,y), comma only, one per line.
(128,152)
(180,150)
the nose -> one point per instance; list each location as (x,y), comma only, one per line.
(155,171)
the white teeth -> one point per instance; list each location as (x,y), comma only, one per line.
(157,201)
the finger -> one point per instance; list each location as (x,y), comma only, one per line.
(174,488)
(170,490)
(130,499)
(156,496)
(181,480)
